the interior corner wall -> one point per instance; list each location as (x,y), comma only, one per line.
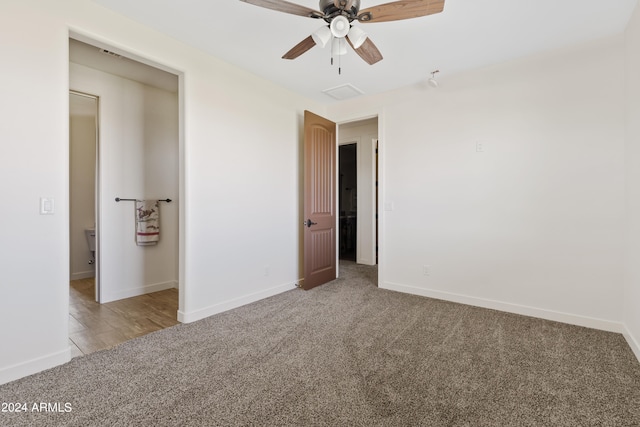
(240,140)
(504,188)
(632,232)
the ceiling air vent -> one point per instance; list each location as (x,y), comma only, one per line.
(343,92)
(108,52)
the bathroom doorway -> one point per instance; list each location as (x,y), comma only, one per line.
(83,184)
(137,158)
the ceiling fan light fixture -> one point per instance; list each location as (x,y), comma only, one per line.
(341,13)
(340,26)
(322,36)
(338,47)
(357,37)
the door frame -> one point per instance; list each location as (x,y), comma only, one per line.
(379,230)
(92,39)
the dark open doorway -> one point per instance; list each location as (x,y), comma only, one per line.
(348,197)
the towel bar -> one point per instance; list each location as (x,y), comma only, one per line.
(118,199)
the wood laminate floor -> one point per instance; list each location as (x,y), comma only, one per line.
(94,326)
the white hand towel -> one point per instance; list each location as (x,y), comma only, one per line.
(147,222)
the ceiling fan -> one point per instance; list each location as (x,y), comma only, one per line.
(340,14)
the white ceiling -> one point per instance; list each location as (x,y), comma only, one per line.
(468,34)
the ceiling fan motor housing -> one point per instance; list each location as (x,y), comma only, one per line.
(331,11)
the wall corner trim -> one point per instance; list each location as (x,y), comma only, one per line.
(33,366)
(195,315)
(633,343)
(556,316)
(139,290)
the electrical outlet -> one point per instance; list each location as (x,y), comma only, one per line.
(266,270)
(426,270)
(479,147)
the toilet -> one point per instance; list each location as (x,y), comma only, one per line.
(90,233)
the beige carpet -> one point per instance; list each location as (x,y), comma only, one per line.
(346,354)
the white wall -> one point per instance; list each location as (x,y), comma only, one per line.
(632,271)
(34,162)
(138,153)
(533,224)
(240,170)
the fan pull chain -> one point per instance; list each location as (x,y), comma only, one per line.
(331,50)
(339,59)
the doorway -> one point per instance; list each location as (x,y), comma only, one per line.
(348,200)
(83,172)
(137,157)
(358,191)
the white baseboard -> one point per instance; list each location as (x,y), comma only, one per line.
(83,275)
(572,319)
(192,316)
(134,292)
(33,366)
(633,343)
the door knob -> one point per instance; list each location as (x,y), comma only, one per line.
(309,223)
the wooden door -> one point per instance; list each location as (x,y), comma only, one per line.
(319,200)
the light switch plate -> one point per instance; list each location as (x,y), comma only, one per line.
(47,206)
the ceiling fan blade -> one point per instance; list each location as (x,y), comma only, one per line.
(343,4)
(286,7)
(300,48)
(368,51)
(403,9)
